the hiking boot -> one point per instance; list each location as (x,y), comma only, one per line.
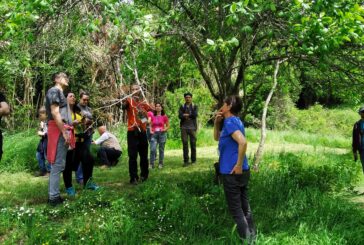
(56,201)
(71,191)
(90,185)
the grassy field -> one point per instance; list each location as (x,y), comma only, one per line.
(303,194)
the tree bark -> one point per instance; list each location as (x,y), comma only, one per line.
(263,133)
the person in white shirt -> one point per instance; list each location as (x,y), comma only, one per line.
(110,150)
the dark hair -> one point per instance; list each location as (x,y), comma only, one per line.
(42,109)
(235,102)
(155,111)
(187,94)
(82,93)
(75,108)
(59,75)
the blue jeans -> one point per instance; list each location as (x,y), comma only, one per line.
(157,138)
(43,164)
(57,169)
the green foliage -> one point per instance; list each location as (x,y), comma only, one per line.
(19,151)
(316,120)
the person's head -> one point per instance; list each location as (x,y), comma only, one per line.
(188,97)
(42,113)
(84,98)
(101,129)
(71,99)
(361,112)
(159,109)
(232,104)
(61,79)
(135,90)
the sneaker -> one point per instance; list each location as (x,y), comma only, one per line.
(56,201)
(104,166)
(160,166)
(193,162)
(133,182)
(71,191)
(90,185)
(151,166)
(185,164)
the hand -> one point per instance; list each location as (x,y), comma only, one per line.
(93,142)
(66,137)
(75,122)
(218,117)
(237,169)
(355,156)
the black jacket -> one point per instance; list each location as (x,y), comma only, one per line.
(193,111)
(357,135)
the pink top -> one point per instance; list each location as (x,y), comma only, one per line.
(158,122)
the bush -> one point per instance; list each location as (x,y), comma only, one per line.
(316,119)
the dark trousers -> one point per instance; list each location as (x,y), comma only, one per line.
(80,154)
(108,156)
(361,160)
(185,134)
(236,193)
(137,143)
(1,144)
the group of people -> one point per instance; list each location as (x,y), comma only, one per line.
(66,132)
(147,123)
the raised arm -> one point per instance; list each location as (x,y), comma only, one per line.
(217,125)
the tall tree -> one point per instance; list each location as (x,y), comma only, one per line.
(226,37)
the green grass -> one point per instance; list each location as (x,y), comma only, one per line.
(20,148)
(301,195)
(296,198)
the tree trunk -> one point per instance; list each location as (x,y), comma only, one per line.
(259,154)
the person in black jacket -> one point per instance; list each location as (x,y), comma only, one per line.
(358,137)
(188,115)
